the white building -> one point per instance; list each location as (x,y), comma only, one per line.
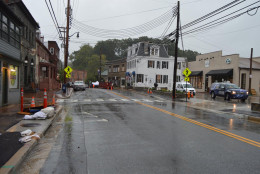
(148,63)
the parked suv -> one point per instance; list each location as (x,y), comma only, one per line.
(79,85)
(228,91)
(182,86)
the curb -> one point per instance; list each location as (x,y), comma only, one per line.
(11,165)
(251,118)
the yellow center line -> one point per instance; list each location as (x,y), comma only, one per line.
(226,133)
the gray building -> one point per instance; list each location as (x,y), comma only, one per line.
(28,43)
(10,58)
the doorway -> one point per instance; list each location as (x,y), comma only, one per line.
(5,86)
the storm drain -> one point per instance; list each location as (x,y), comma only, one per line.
(30,125)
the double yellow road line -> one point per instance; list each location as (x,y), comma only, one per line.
(226,133)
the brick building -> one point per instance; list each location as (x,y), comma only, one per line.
(78,75)
(116,72)
(47,58)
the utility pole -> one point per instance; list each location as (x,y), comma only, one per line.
(250,72)
(176,52)
(67,40)
(100,66)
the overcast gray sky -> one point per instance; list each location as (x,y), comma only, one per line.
(235,37)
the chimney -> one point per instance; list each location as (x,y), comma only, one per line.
(42,39)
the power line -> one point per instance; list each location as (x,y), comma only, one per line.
(57,27)
(128,31)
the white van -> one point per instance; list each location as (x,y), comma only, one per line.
(181,86)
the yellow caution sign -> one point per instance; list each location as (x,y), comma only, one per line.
(68,69)
(186,72)
(68,75)
(187,79)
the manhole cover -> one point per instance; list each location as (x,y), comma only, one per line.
(30,125)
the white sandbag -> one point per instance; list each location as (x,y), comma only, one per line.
(26,132)
(40,115)
(25,139)
(49,111)
(28,117)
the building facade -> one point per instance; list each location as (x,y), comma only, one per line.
(47,58)
(215,67)
(116,72)
(10,58)
(78,75)
(28,43)
(149,63)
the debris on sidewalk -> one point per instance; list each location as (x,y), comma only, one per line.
(38,115)
(27,136)
(26,132)
(49,111)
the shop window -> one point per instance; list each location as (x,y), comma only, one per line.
(196,81)
(13,78)
(243,81)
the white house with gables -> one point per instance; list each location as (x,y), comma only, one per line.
(149,63)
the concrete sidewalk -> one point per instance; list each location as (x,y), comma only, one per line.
(8,124)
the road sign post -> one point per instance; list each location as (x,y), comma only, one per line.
(186,72)
(68,70)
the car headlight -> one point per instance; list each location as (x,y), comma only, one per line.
(247,93)
(233,92)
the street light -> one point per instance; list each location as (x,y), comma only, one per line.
(75,33)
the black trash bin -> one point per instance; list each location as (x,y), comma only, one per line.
(64,88)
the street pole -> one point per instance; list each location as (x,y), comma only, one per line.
(250,73)
(100,66)
(67,40)
(176,53)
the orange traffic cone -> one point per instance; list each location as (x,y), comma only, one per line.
(45,99)
(191,94)
(148,91)
(111,88)
(33,103)
(93,86)
(151,91)
(53,99)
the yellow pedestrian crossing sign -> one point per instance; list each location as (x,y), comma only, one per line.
(186,72)
(68,69)
(68,75)
(187,79)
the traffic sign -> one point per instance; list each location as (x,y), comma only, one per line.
(186,72)
(68,69)
(68,75)
(187,79)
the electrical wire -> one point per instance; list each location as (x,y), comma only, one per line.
(128,31)
(56,26)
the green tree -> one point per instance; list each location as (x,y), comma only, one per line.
(85,59)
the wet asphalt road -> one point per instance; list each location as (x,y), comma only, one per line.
(123,132)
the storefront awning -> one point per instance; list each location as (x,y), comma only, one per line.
(196,73)
(220,72)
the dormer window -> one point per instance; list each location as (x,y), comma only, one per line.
(154,51)
(52,51)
